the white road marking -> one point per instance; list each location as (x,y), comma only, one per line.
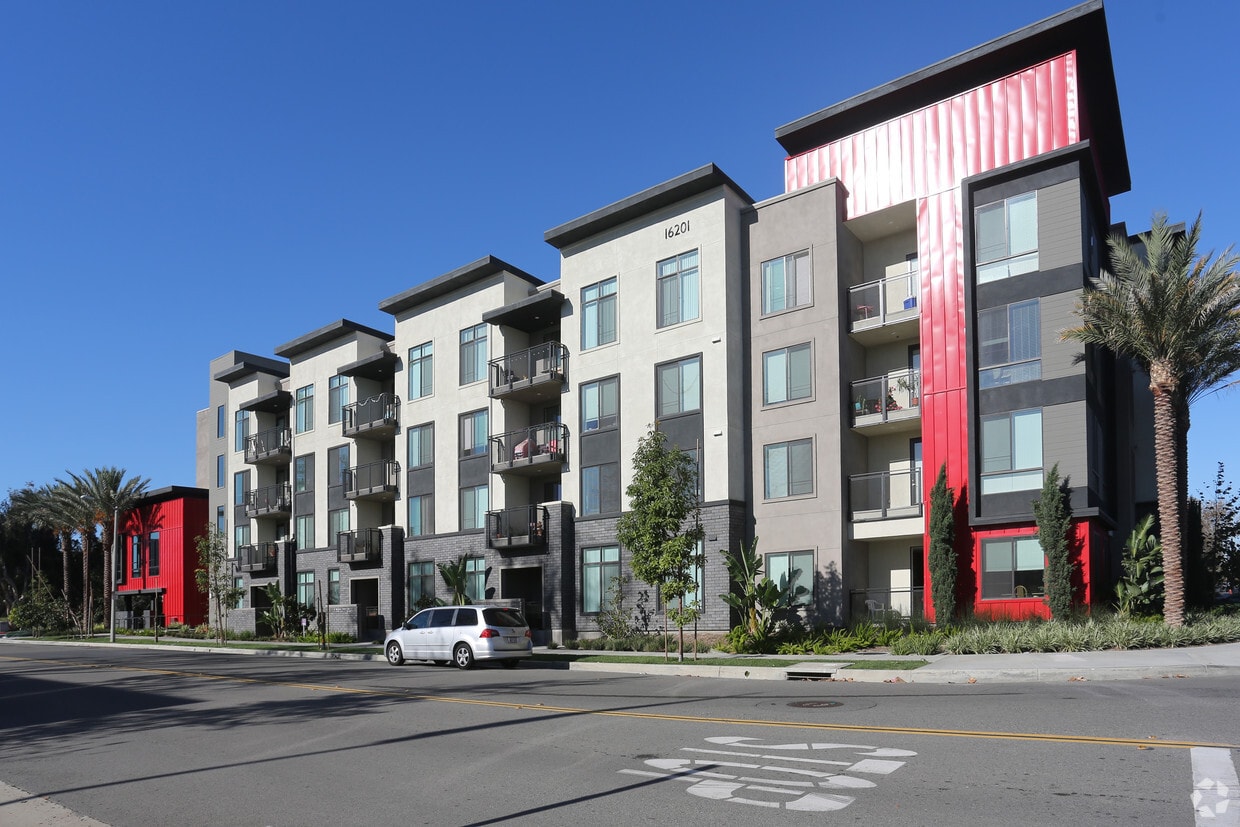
(1216,789)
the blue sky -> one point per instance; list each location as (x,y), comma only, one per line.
(181,179)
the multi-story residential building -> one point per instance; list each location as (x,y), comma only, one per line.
(821,355)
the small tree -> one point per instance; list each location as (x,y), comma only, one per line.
(1053,512)
(39,610)
(1140,590)
(1220,524)
(214,578)
(662,528)
(456,576)
(942,556)
(755,596)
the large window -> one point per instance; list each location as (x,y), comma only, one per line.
(678,289)
(421,585)
(600,488)
(1009,346)
(600,403)
(679,387)
(598,314)
(152,553)
(1012,452)
(793,572)
(599,566)
(421,515)
(786,374)
(1007,238)
(473,433)
(475,499)
(1012,567)
(337,524)
(304,532)
(305,409)
(476,578)
(305,588)
(786,283)
(789,468)
(474,354)
(337,398)
(333,587)
(421,446)
(241,429)
(421,369)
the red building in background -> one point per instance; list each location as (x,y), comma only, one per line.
(156,558)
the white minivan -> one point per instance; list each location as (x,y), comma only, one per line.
(461,635)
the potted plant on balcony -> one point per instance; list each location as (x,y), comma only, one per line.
(910,385)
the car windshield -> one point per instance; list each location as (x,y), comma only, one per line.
(503,617)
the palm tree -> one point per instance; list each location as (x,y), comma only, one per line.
(109,494)
(70,501)
(41,507)
(1176,315)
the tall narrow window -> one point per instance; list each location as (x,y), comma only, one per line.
(599,567)
(305,589)
(337,465)
(787,374)
(789,468)
(241,429)
(135,556)
(221,521)
(473,354)
(600,488)
(1009,346)
(337,398)
(421,369)
(476,579)
(220,473)
(600,404)
(337,523)
(221,422)
(152,553)
(473,433)
(475,500)
(678,289)
(1007,238)
(302,471)
(305,409)
(239,488)
(304,532)
(241,537)
(333,587)
(1012,452)
(421,585)
(421,446)
(786,283)
(680,387)
(421,515)
(598,314)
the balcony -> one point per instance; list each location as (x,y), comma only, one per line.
(522,527)
(531,376)
(376,418)
(887,404)
(540,450)
(273,446)
(885,495)
(363,545)
(374,481)
(886,310)
(260,556)
(270,501)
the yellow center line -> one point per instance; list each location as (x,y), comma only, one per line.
(1144,743)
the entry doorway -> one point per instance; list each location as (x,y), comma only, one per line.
(365,595)
(525,584)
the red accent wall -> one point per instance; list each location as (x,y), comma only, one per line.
(179,522)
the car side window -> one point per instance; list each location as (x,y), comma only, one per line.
(466,617)
(420,620)
(441,617)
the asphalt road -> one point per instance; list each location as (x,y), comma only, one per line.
(134,737)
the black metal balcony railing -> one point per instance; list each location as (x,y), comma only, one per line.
(378,416)
(377,480)
(540,365)
(273,444)
(895,396)
(269,501)
(532,450)
(359,546)
(259,557)
(885,301)
(524,526)
(881,605)
(885,495)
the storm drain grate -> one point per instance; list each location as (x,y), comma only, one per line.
(815,704)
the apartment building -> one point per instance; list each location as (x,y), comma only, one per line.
(820,354)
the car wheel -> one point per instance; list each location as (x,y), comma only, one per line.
(394,655)
(511,663)
(463,656)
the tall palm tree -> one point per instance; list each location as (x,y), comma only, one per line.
(1177,315)
(70,501)
(109,494)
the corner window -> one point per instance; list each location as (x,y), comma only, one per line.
(600,488)
(600,402)
(475,500)
(1012,452)
(420,446)
(421,585)
(598,314)
(1012,567)
(337,398)
(793,572)
(241,429)
(679,387)
(473,354)
(788,468)
(421,369)
(786,374)
(1009,344)
(1007,238)
(473,433)
(678,289)
(305,409)
(599,566)
(786,283)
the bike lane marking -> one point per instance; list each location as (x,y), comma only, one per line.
(1216,789)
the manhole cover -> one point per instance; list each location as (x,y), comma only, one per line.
(815,704)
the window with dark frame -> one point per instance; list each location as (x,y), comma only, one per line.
(679,387)
(786,283)
(678,289)
(421,369)
(598,314)
(1013,568)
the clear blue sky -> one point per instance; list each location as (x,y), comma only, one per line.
(181,179)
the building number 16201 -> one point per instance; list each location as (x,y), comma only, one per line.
(676,229)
